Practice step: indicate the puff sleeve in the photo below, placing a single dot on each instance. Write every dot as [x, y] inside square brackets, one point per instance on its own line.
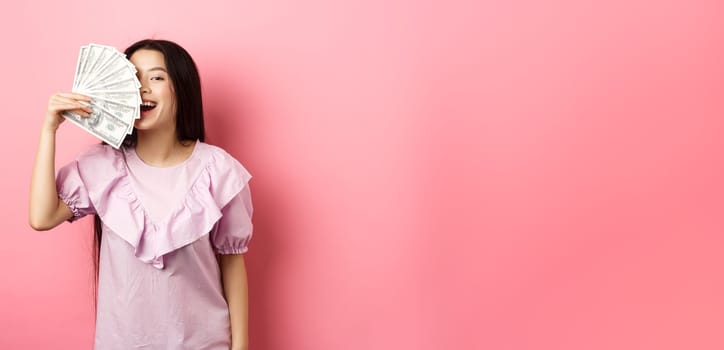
[232, 232]
[72, 190]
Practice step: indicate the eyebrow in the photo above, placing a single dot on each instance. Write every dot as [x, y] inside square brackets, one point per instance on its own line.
[157, 68]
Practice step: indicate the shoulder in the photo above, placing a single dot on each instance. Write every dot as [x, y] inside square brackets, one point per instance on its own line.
[226, 176]
[101, 160]
[99, 152]
[216, 153]
[221, 162]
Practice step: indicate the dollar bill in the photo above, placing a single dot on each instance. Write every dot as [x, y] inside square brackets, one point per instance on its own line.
[119, 111]
[126, 98]
[79, 66]
[90, 59]
[127, 84]
[105, 74]
[110, 72]
[115, 72]
[105, 54]
[106, 127]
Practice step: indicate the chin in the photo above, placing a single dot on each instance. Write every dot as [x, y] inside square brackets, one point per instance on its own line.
[145, 125]
[152, 122]
[141, 125]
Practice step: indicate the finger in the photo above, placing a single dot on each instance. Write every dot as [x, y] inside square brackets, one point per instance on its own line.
[79, 112]
[74, 96]
[70, 107]
[62, 99]
[82, 113]
[57, 101]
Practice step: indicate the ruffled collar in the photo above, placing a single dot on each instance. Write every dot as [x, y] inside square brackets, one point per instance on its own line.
[219, 179]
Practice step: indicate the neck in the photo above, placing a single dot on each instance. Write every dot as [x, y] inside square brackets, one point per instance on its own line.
[161, 147]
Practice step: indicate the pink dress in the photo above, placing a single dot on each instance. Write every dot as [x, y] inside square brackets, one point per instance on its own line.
[159, 281]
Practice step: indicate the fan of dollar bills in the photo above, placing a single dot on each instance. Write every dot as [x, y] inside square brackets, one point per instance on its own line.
[109, 79]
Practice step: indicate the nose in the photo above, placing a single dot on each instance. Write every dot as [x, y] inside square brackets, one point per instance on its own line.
[145, 90]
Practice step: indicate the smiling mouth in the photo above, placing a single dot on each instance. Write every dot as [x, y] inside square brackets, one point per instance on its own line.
[147, 106]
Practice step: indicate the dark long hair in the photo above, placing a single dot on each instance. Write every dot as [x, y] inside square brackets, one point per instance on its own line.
[186, 84]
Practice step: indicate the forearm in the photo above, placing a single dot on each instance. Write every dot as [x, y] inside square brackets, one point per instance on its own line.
[44, 200]
[234, 278]
[46, 209]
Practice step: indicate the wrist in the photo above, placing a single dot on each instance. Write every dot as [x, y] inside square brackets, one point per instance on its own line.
[52, 122]
[49, 126]
[49, 129]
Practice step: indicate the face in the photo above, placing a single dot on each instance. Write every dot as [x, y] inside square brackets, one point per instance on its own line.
[158, 110]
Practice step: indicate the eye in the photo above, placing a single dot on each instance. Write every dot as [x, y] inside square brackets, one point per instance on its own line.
[157, 78]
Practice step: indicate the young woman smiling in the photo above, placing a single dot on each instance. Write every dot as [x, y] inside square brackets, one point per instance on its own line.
[172, 214]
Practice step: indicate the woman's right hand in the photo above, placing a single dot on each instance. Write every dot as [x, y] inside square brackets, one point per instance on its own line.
[64, 101]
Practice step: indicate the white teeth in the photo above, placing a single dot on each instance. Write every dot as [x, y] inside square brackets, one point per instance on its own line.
[148, 104]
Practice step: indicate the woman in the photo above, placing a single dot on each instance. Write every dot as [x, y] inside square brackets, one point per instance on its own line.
[173, 214]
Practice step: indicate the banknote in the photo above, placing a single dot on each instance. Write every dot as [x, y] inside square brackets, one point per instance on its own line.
[105, 55]
[113, 70]
[79, 65]
[116, 110]
[118, 84]
[105, 75]
[130, 99]
[104, 126]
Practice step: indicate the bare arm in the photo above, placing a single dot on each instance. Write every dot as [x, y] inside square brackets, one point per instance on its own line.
[233, 274]
[46, 209]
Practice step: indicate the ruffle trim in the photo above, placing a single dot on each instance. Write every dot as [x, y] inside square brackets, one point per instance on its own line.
[232, 251]
[71, 202]
[217, 183]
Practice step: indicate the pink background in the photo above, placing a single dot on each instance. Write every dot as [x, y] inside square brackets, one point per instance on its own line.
[428, 174]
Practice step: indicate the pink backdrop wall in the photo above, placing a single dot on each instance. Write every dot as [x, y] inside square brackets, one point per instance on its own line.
[428, 174]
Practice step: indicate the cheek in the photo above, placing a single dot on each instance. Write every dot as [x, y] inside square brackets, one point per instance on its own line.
[170, 95]
[170, 98]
